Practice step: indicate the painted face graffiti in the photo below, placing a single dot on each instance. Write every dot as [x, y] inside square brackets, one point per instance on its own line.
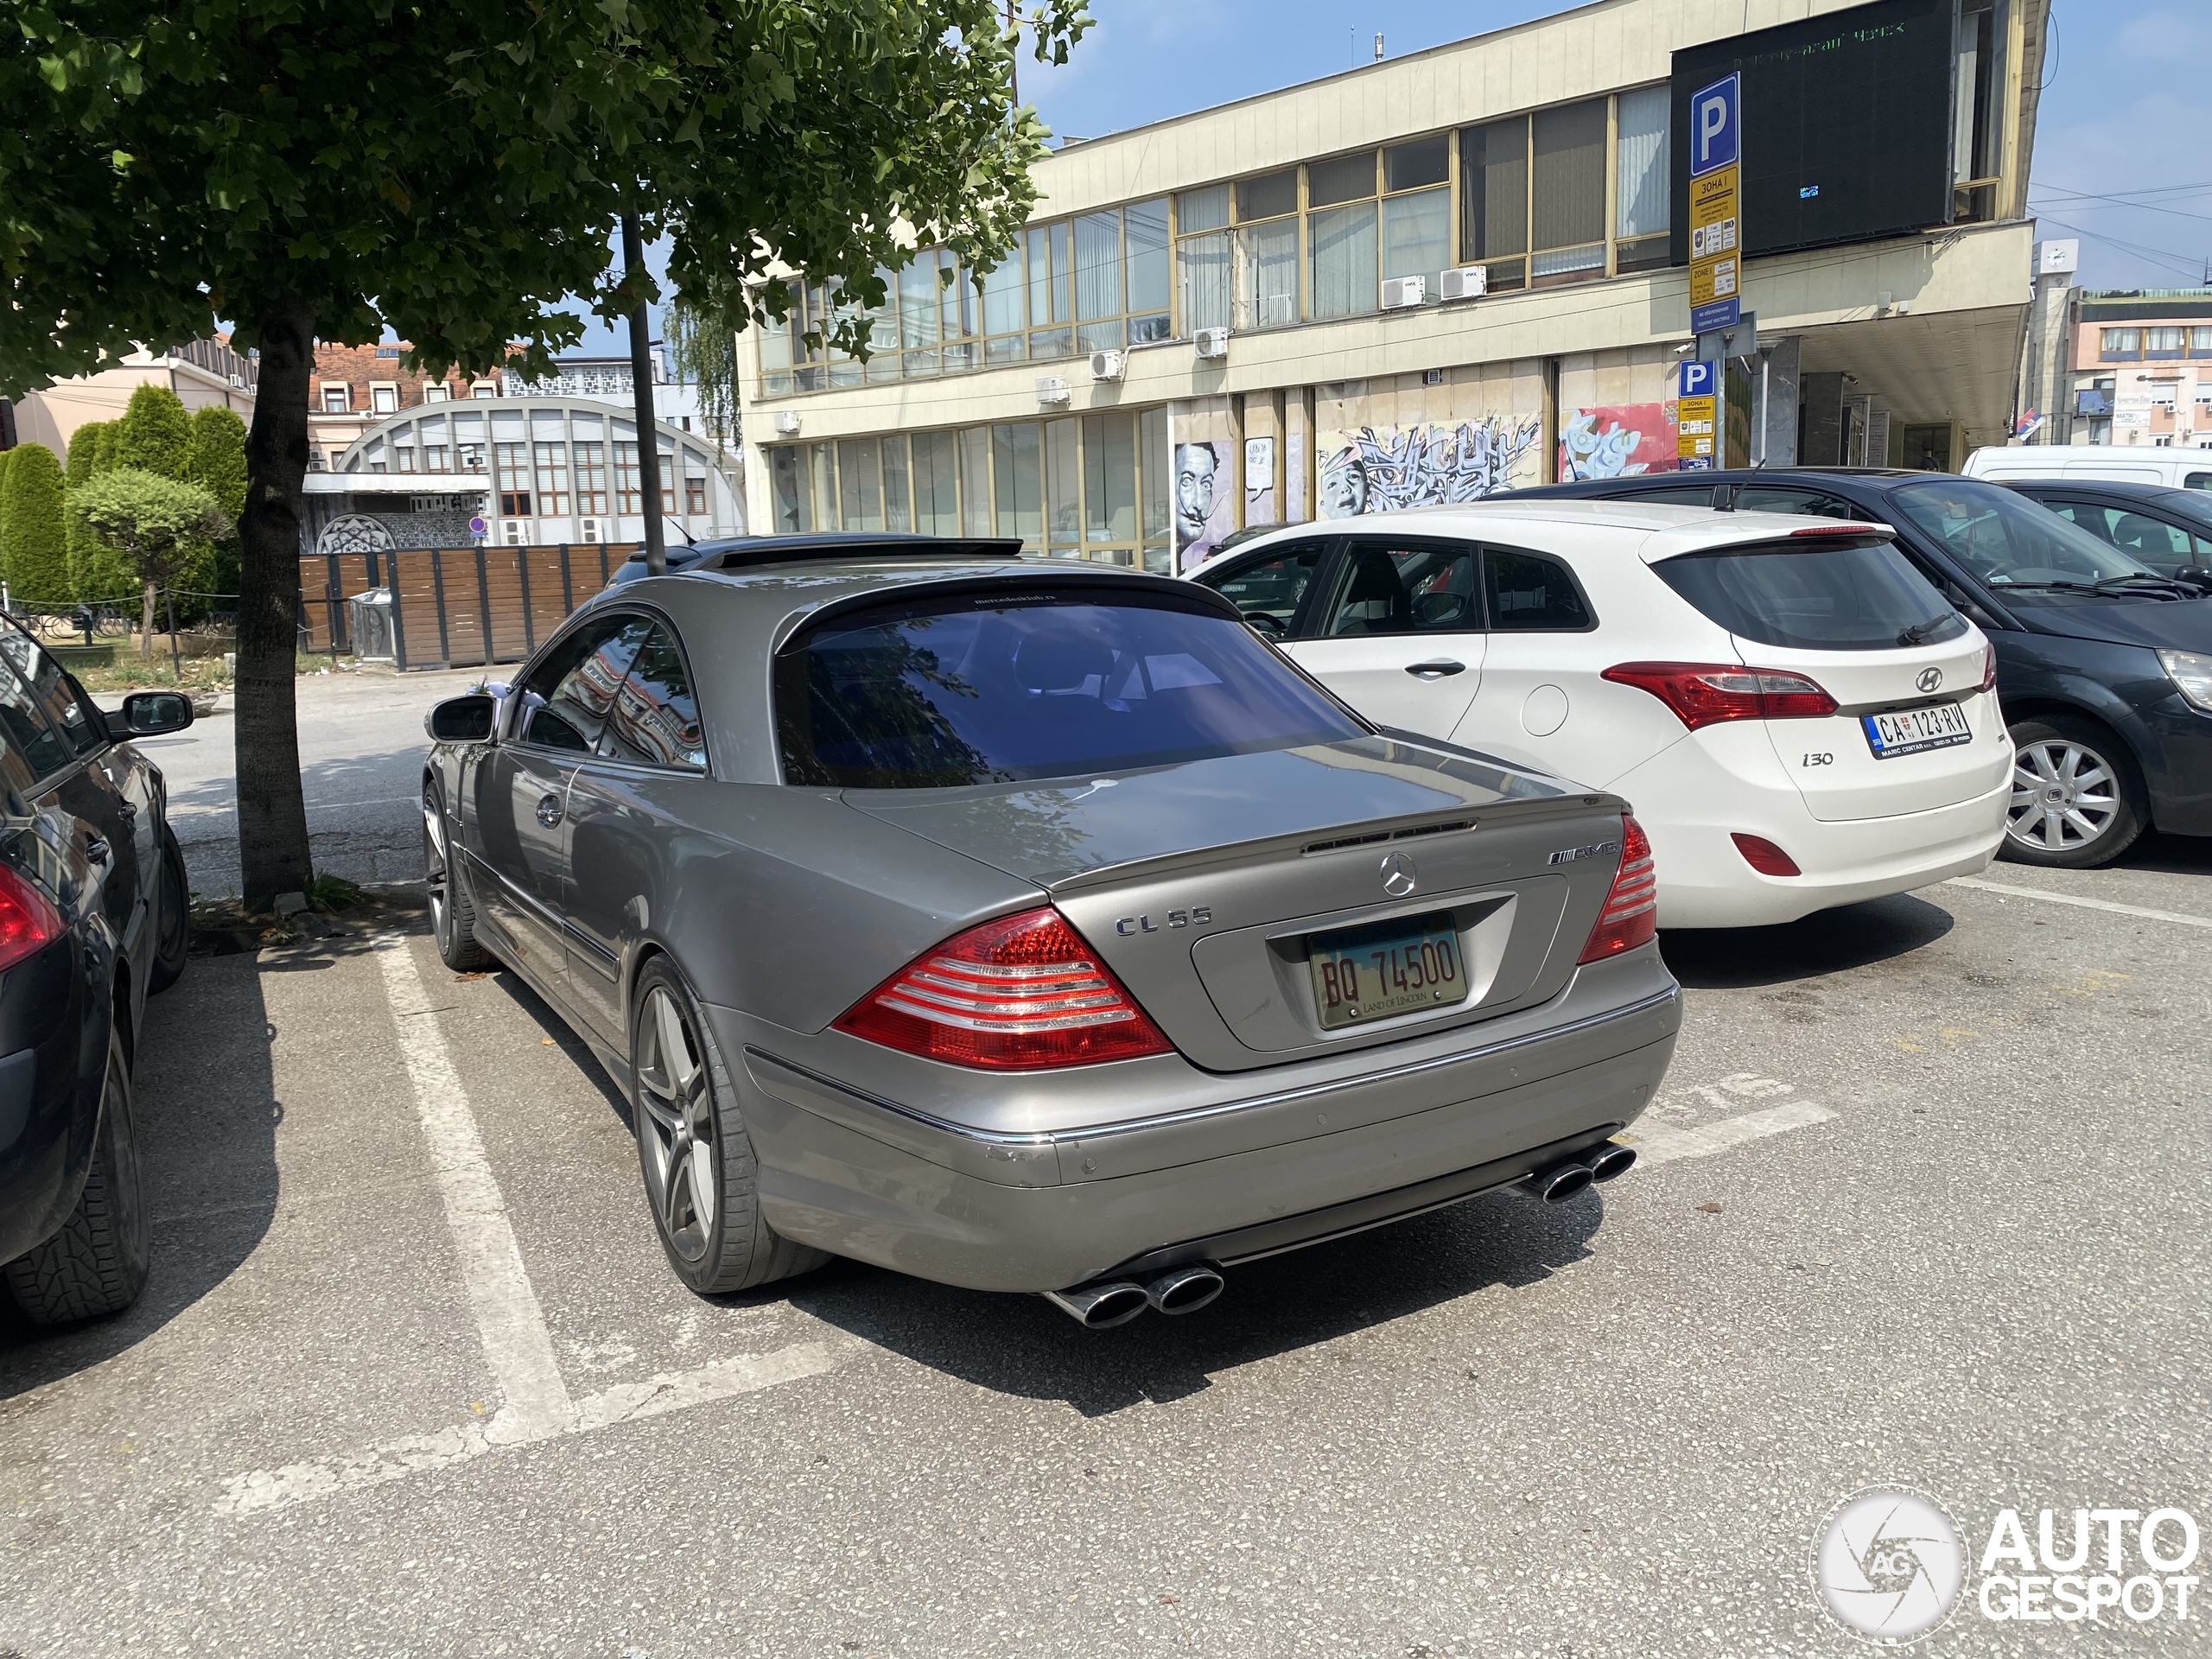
[1195, 467]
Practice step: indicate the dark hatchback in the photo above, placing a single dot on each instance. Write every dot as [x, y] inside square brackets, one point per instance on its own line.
[93, 919]
[2104, 662]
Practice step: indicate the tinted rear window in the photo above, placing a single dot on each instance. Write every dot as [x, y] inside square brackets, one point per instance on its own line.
[1816, 596]
[973, 690]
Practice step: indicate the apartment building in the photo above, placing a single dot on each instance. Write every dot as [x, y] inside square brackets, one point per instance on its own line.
[2141, 367]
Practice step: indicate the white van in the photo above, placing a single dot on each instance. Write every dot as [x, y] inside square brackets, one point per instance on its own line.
[2177, 469]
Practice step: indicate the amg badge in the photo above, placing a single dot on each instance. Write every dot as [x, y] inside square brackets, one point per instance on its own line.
[1596, 849]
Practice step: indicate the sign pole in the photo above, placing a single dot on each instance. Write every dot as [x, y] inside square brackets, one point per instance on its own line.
[1717, 316]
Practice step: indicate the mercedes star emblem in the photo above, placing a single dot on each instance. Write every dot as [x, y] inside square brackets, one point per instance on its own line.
[1398, 875]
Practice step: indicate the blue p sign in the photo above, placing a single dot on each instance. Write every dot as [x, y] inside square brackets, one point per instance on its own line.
[1700, 379]
[1714, 132]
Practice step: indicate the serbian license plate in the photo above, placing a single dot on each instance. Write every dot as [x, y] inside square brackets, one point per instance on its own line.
[1914, 731]
[1366, 974]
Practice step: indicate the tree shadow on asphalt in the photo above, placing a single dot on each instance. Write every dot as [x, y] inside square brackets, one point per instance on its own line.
[1826, 942]
[1023, 1345]
[204, 1101]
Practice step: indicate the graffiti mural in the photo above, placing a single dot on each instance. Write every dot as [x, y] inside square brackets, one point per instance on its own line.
[1616, 440]
[1425, 465]
[1205, 507]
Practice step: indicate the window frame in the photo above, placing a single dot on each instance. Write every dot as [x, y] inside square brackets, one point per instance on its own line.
[1326, 548]
[1331, 577]
[1573, 581]
[662, 768]
[515, 714]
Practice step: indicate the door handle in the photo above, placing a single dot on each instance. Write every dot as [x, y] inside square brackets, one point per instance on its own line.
[549, 810]
[1437, 669]
[95, 848]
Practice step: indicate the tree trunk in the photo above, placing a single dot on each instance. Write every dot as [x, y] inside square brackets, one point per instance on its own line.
[273, 855]
[146, 622]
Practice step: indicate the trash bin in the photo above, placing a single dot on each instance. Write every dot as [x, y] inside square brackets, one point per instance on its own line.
[368, 620]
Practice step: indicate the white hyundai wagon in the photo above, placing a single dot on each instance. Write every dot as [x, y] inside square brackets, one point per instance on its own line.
[1800, 718]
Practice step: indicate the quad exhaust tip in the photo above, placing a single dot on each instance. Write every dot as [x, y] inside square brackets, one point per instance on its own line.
[1607, 1162]
[1610, 1161]
[1102, 1307]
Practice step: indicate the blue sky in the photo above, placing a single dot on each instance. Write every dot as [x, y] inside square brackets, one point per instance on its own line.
[2120, 153]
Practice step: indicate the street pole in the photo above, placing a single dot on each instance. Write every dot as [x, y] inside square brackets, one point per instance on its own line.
[641, 380]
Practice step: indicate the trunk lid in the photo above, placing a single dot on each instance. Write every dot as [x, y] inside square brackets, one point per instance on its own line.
[1203, 884]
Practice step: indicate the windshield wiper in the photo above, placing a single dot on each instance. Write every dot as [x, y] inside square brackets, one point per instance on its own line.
[2168, 584]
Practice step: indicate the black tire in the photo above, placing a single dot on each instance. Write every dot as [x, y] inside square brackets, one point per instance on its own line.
[97, 1264]
[702, 1178]
[173, 931]
[2078, 800]
[453, 916]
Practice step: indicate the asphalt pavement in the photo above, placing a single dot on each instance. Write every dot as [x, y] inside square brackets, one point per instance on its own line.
[1924, 1203]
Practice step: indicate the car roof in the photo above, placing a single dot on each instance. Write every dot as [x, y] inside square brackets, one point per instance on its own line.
[2125, 489]
[1666, 529]
[737, 552]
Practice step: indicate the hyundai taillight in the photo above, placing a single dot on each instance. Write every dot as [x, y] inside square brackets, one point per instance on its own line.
[1019, 993]
[1706, 694]
[1988, 666]
[29, 922]
[1631, 912]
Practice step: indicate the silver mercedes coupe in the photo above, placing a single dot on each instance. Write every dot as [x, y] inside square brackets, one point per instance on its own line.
[1034, 926]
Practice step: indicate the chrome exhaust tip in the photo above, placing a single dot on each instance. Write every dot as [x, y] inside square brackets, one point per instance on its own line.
[1100, 1307]
[1559, 1183]
[1185, 1289]
[1610, 1161]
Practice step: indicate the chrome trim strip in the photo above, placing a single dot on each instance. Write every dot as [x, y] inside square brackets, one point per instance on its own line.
[1197, 1114]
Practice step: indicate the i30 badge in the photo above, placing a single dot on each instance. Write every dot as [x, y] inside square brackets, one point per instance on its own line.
[1399, 878]
[1929, 678]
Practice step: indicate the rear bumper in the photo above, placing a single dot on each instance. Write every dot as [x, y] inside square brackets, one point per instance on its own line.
[1705, 882]
[1295, 1157]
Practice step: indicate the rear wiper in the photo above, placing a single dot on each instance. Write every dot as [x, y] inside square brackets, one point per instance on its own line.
[1919, 632]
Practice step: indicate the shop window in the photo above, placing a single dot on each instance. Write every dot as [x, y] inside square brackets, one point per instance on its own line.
[1018, 482]
[791, 500]
[860, 483]
[1153, 494]
[1641, 189]
[1063, 487]
[1494, 200]
[1568, 187]
[1109, 479]
[936, 484]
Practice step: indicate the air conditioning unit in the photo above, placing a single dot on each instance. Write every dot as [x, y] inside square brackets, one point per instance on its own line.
[590, 529]
[1469, 282]
[1108, 366]
[787, 420]
[1212, 342]
[1403, 293]
[1051, 389]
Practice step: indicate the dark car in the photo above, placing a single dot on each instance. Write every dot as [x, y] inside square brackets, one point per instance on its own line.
[93, 919]
[2169, 530]
[2104, 663]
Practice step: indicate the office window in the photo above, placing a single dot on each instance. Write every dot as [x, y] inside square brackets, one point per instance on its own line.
[403, 458]
[1270, 196]
[1004, 317]
[935, 484]
[2120, 343]
[1567, 190]
[2163, 343]
[629, 494]
[694, 495]
[1641, 189]
[1494, 200]
[2200, 342]
[1098, 283]
[1417, 236]
[436, 458]
[775, 357]
[433, 392]
[1266, 274]
[472, 457]
[1202, 262]
[1144, 237]
[1413, 166]
[919, 316]
[1018, 481]
[514, 480]
[591, 479]
[552, 465]
[336, 399]
[383, 400]
[667, 478]
[1051, 283]
[1340, 280]
[1347, 178]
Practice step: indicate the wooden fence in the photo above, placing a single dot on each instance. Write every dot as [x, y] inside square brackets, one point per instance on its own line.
[457, 608]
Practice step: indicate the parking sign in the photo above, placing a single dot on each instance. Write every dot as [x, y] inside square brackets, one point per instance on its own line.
[1697, 416]
[1716, 143]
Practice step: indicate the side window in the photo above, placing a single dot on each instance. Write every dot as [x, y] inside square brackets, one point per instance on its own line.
[1386, 587]
[33, 748]
[71, 714]
[655, 721]
[1961, 600]
[566, 700]
[2197, 481]
[1269, 589]
[1775, 498]
[1529, 593]
[2096, 520]
[1670, 495]
[2150, 540]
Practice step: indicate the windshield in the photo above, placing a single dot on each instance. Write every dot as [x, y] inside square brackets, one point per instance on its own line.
[2010, 541]
[1815, 595]
[973, 689]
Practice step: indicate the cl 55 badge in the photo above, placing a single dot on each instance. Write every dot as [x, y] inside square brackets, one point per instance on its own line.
[1199, 914]
[1596, 849]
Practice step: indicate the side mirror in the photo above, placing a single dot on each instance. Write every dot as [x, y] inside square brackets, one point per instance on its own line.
[461, 719]
[150, 713]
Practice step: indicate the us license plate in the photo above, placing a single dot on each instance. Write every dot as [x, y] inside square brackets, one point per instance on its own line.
[1366, 974]
[1914, 731]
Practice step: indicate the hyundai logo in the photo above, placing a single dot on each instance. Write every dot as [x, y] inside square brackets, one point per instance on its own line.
[1398, 876]
[1929, 678]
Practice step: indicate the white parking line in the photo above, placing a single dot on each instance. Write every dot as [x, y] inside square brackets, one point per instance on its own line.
[509, 1322]
[2086, 903]
[1662, 1143]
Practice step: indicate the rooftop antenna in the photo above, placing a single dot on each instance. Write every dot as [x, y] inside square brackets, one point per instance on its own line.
[1378, 48]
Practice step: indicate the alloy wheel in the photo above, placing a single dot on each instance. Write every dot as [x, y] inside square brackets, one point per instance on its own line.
[435, 859]
[678, 1128]
[2065, 796]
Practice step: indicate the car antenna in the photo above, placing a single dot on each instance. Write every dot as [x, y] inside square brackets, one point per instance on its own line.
[1724, 497]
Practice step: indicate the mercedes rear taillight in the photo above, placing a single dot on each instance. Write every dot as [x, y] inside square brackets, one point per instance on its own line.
[28, 921]
[1631, 913]
[1021, 994]
[1706, 694]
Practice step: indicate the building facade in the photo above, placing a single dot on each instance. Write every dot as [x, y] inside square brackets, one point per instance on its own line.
[1424, 280]
[202, 372]
[2141, 367]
